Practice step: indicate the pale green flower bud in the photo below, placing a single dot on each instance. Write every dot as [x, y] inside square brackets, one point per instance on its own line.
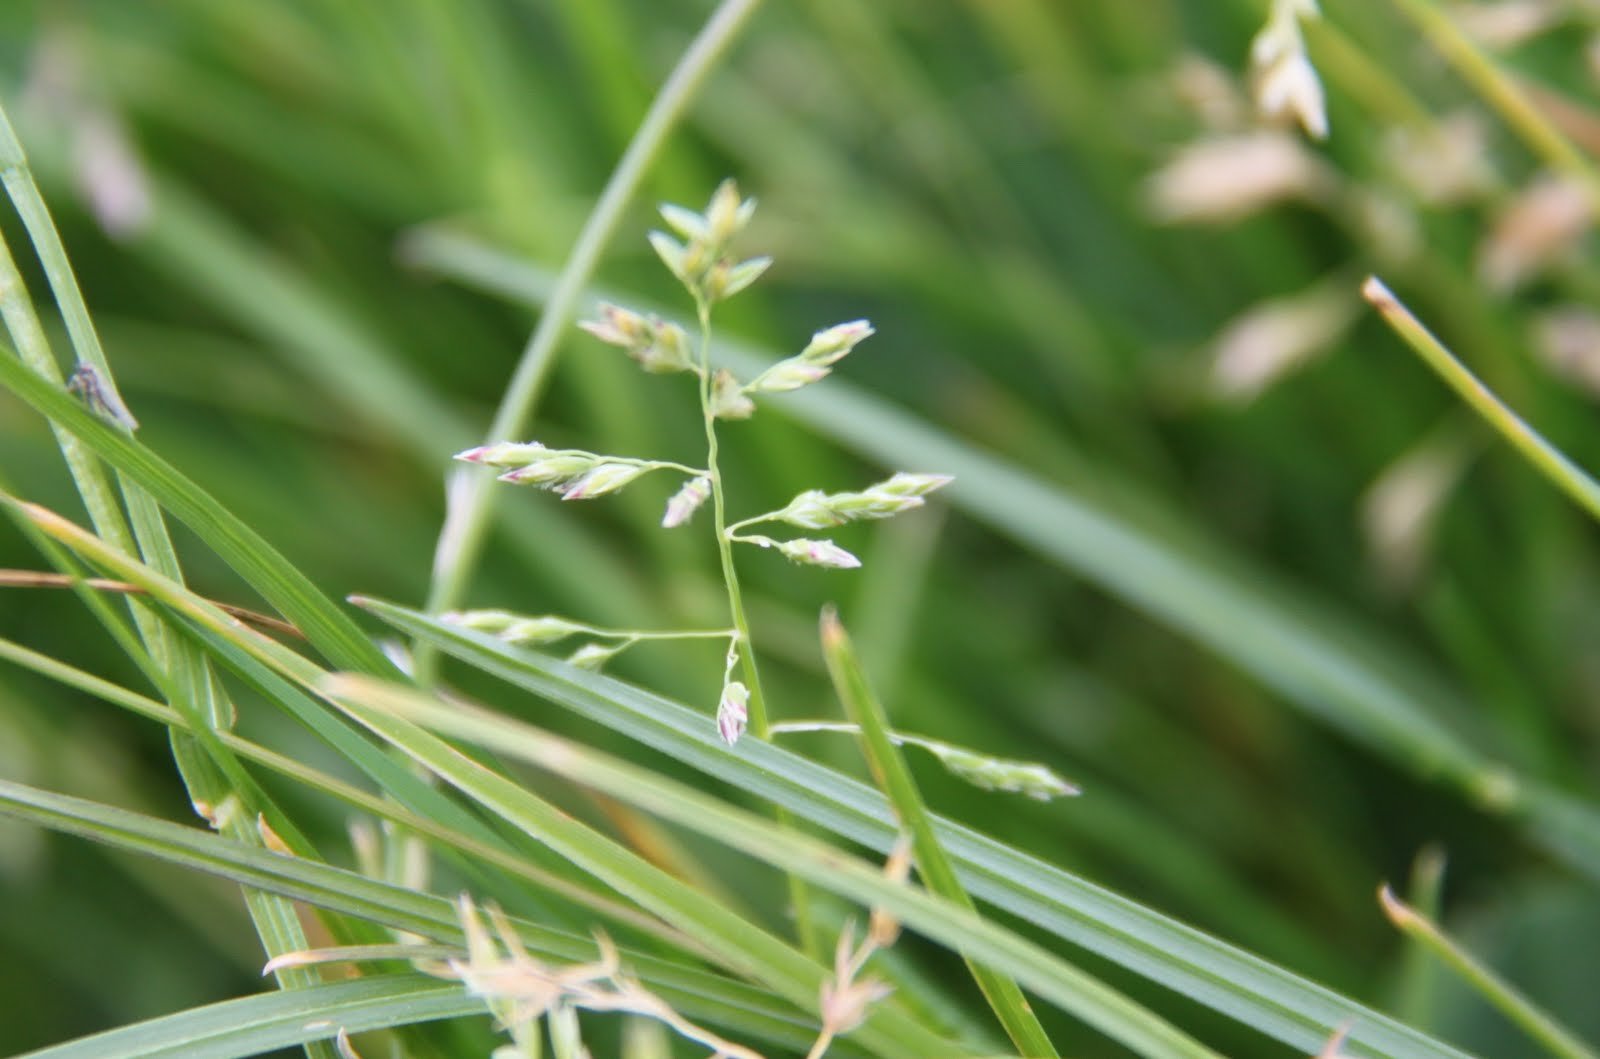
[788, 375]
[904, 484]
[818, 553]
[593, 655]
[728, 400]
[733, 712]
[727, 280]
[687, 223]
[518, 629]
[606, 478]
[685, 502]
[832, 345]
[552, 468]
[999, 774]
[726, 215]
[811, 510]
[672, 254]
[504, 454]
[815, 509]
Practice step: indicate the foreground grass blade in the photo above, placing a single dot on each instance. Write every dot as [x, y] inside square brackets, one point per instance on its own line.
[1536, 1023]
[1545, 457]
[207, 769]
[257, 1024]
[268, 572]
[475, 852]
[712, 997]
[250, 654]
[740, 945]
[960, 929]
[1226, 979]
[933, 865]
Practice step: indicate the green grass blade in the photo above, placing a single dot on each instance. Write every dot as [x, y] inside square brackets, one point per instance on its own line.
[475, 852]
[709, 996]
[740, 945]
[325, 626]
[958, 928]
[1255, 992]
[257, 1024]
[933, 865]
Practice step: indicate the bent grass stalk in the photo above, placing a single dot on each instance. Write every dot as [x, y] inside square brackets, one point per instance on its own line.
[1545, 457]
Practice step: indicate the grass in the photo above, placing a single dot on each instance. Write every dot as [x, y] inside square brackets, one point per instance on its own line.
[1279, 660]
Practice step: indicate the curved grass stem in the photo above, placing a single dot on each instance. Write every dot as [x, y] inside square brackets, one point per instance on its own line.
[1545, 457]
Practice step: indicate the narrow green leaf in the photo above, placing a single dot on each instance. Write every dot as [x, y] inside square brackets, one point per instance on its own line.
[740, 945]
[933, 865]
[257, 1024]
[267, 571]
[958, 928]
[711, 997]
[1269, 998]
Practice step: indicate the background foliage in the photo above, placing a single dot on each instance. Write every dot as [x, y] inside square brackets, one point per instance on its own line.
[352, 204]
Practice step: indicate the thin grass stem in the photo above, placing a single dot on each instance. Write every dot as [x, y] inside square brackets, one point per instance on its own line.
[1545, 457]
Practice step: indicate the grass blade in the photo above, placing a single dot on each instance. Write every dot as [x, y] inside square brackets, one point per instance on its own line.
[933, 865]
[1272, 1000]
[257, 1024]
[325, 626]
[740, 945]
[960, 929]
[712, 997]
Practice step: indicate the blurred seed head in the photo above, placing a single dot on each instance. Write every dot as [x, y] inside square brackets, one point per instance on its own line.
[1505, 24]
[1443, 164]
[1387, 223]
[1401, 507]
[1566, 340]
[1220, 180]
[1538, 229]
[1277, 336]
[1210, 92]
[105, 165]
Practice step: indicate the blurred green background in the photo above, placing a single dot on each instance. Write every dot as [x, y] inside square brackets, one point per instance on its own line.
[278, 210]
